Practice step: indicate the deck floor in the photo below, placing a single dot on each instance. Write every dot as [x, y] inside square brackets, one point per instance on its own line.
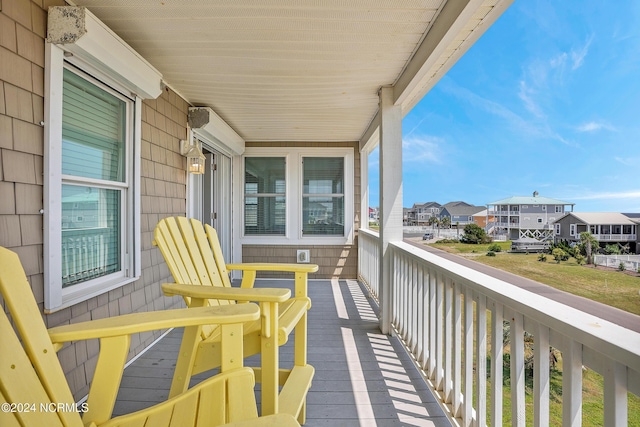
[363, 378]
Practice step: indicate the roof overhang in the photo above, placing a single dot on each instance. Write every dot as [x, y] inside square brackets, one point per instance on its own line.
[281, 70]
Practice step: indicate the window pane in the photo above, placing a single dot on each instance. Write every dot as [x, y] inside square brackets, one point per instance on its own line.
[91, 227]
[323, 175]
[265, 203]
[93, 130]
[323, 215]
[323, 198]
[264, 175]
[264, 215]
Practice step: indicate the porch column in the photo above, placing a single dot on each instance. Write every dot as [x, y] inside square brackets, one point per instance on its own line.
[390, 197]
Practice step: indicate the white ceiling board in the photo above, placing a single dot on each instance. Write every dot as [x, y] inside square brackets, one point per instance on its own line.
[291, 70]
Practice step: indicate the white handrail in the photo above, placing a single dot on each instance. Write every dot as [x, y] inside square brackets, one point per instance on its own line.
[440, 309]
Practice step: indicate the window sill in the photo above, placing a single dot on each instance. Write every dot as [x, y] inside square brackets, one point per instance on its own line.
[73, 297]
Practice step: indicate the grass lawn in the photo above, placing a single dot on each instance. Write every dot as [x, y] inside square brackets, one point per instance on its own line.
[613, 288]
[592, 400]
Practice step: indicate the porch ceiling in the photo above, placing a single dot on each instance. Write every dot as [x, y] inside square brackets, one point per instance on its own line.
[291, 70]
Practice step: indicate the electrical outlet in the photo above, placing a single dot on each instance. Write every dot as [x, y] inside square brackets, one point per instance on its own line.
[302, 255]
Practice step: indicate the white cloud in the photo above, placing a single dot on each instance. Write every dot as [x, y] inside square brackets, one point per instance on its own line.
[526, 94]
[578, 55]
[422, 149]
[558, 61]
[524, 126]
[610, 195]
[628, 161]
[594, 126]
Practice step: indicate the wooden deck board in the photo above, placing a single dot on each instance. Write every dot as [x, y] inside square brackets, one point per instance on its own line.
[363, 378]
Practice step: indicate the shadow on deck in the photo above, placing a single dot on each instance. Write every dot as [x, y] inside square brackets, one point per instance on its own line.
[363, 378]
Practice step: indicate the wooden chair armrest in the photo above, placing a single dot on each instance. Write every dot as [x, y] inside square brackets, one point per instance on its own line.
[263, 266]
[149, 321]
[237, 294]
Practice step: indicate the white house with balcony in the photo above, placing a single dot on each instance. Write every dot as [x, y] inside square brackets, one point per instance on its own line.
[526, 216]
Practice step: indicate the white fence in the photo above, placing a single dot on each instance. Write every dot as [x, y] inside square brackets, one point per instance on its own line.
[630, 262]
[449, 315]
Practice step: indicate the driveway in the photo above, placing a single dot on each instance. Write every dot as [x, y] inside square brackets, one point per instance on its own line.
[612, 314]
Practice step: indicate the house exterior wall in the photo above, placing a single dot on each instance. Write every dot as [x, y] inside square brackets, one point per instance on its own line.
[334, 261]
[163, 185]
[530, 214]
[481, 220]
[564, 228]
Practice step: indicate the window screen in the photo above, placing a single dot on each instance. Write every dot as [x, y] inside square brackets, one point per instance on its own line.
[90, 233]
[323, 196]
[93, 130]
[94, 138]
[264, 196]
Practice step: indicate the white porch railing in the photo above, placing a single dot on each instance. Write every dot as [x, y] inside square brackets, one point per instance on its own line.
[369, 259]
[448, 315]
[630, 262]
[615, 237]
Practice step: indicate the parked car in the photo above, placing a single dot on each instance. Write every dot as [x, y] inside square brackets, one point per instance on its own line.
[427, 236]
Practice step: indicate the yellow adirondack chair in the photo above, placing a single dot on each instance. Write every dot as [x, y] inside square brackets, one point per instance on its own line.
[194, 257]
[34, 391]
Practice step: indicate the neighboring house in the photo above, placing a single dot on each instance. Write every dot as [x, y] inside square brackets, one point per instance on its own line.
[521, 216]
[483, 219]
[406, 212]
[420, 213]
[460, 213]
[374, 214]
[606, 228]
[636, 218]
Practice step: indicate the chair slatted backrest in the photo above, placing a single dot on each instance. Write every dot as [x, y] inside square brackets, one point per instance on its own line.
[214, 243]
[185, 248]
[30, 370]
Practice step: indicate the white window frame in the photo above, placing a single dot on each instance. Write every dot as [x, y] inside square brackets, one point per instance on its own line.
[287, 195]
[105, 57]
[293, 196]
[572, 230]
[558, 229]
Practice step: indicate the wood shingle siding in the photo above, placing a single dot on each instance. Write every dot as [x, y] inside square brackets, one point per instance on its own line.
[163, 186]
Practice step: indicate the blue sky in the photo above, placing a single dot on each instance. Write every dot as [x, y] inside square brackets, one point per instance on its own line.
[547, 100]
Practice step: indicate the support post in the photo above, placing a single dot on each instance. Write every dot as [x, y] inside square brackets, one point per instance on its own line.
[390, 196]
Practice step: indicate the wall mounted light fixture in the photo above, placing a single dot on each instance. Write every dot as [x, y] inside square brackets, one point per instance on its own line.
[195, 158]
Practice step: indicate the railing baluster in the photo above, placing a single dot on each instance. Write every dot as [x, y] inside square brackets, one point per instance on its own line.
[516, 344]
[413, 318]
[467, 412]
[541, 376]
[439, 330]
[457, 350]
[481, 361]
[496, 364]
[615, 394]
[448, 340]
[424, 360]
[432, 324]
[406, 309]
[572, 384]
